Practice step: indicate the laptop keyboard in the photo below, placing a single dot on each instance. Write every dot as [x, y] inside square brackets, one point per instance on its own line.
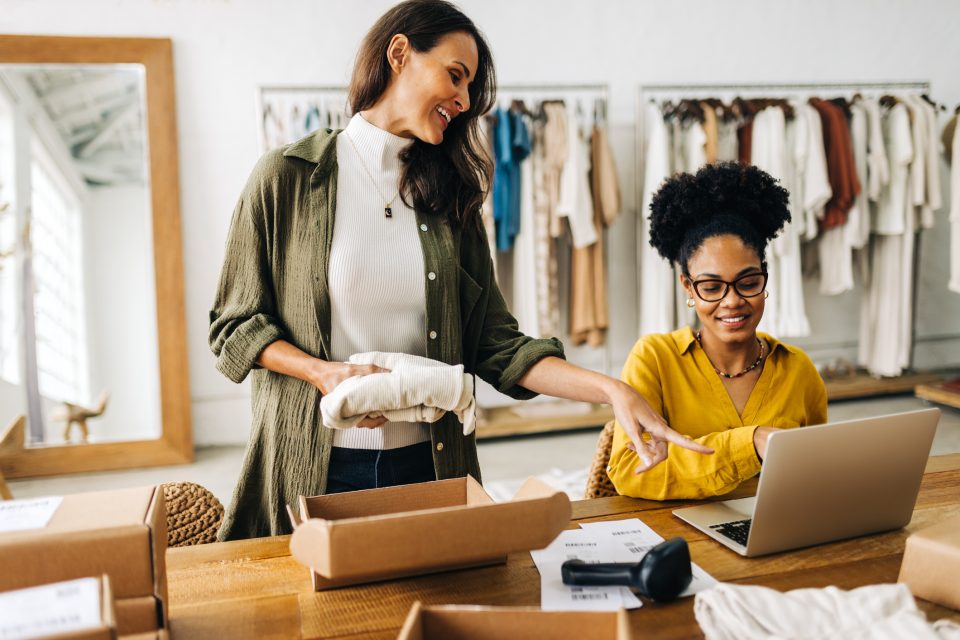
[737, 531]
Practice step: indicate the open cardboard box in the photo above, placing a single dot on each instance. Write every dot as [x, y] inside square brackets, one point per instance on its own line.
[380, 534]
[509, 623]
[931, 563]
[44, 611]
[121, 533]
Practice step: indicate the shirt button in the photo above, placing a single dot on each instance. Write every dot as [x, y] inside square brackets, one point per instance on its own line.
[439, 446]
[433, 335]
[423, 227]
[432, 276]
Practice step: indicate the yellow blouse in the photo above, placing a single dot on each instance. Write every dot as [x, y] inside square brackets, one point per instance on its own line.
[673, 374]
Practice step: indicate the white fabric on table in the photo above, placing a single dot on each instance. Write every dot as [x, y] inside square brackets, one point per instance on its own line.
[740, 612]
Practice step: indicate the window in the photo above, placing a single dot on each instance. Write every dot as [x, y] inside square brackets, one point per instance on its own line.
[9, 299]
[56, 241]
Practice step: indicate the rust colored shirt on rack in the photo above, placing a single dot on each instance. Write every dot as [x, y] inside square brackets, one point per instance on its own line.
[841, 167]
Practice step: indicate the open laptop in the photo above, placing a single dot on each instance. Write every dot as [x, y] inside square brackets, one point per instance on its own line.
[826, 483]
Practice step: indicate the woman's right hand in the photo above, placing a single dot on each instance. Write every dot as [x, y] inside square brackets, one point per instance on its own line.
[327, 376]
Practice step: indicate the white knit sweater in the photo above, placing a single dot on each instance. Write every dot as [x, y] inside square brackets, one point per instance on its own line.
[376, 273]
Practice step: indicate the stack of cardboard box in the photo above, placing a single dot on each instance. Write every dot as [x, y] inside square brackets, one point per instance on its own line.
[121, 534]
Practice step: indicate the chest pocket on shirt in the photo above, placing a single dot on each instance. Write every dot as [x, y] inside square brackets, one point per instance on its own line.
[470, 292]
[471, 325]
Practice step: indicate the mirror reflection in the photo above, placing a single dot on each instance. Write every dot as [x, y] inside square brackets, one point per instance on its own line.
[78, 322]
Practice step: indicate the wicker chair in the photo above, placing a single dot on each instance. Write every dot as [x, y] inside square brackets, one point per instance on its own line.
[193, 514]
[598, 483]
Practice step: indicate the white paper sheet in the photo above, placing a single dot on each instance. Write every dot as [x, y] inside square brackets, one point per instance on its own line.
[632, 538]
[64, 607]
[23, 515]
[555, 596]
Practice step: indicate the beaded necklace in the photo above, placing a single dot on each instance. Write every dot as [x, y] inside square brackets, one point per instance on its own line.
[734, 375]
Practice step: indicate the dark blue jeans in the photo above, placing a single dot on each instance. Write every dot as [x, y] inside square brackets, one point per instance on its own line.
[356, 469]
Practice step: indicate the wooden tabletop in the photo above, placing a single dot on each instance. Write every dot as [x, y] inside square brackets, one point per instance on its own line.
[254, 589]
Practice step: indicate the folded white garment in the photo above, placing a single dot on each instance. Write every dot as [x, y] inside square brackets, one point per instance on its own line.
[735, 612]
[415, 390]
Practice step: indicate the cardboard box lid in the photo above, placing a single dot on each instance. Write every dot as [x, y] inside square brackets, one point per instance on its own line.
[931, 563]
[64, 604]
[122, 533]
[432, 524]
[509, 623]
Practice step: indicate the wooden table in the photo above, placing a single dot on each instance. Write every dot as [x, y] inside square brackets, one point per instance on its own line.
[254, 589]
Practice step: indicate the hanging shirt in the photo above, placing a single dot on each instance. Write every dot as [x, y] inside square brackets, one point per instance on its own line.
[575, 202]
[511, 144]
[892, 205]
[878, 166]
[811, 156]
[840, 165]
[657, 281]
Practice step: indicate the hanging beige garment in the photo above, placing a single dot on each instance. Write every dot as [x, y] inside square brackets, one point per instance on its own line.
[710, 129]
[589, 312]
[548, 165]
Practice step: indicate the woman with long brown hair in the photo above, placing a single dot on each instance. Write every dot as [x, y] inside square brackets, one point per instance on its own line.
[368, 239]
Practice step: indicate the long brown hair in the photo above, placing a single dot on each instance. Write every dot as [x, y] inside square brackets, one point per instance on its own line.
[450, 178]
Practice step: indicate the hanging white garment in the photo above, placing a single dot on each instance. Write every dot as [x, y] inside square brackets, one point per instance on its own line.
[891, 255]
[768, 152]
[858, 223]
[954, 283]
[525, 308]
[892, 204]
[816, 182]
[694, 146]
[657, 280]
[878, 166]
[575, 201]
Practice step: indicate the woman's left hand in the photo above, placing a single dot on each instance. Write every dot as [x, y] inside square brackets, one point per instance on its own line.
[637, 418]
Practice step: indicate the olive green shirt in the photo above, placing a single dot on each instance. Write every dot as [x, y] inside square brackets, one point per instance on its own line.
[273, 286]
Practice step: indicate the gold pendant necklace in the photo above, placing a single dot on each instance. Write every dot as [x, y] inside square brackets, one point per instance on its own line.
[387, 204]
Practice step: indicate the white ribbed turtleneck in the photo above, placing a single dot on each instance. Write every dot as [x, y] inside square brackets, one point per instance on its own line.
[376, 273]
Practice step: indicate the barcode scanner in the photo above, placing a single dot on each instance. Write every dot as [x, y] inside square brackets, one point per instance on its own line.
[662, 574]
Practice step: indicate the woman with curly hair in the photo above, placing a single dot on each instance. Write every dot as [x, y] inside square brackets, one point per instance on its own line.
[725, 385]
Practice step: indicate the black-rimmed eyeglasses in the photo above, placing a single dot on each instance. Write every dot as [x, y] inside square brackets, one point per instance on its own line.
[746, 286]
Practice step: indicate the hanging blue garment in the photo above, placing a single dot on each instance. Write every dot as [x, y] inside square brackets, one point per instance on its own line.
[502, 154]
[511, 145]
[520, 150]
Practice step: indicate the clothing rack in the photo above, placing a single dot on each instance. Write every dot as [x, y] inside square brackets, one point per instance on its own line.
[658, 92]
[334, 96]
[570, 94]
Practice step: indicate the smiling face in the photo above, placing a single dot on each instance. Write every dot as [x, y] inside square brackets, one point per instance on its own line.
[733, 319]
[429, 89]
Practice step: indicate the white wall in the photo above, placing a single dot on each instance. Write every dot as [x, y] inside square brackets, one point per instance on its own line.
[224, 49]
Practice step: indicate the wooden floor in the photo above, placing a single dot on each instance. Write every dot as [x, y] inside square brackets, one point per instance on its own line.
[563, 415]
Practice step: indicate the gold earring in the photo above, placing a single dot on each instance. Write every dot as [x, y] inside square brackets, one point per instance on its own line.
[691, 303]
[766, 294]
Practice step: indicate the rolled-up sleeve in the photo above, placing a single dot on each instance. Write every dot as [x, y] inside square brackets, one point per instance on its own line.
[243, 320]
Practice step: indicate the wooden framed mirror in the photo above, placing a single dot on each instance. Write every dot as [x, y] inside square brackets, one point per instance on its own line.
[90, 258]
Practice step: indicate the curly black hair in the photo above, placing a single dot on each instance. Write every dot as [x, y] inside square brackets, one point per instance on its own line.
[722, 198]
